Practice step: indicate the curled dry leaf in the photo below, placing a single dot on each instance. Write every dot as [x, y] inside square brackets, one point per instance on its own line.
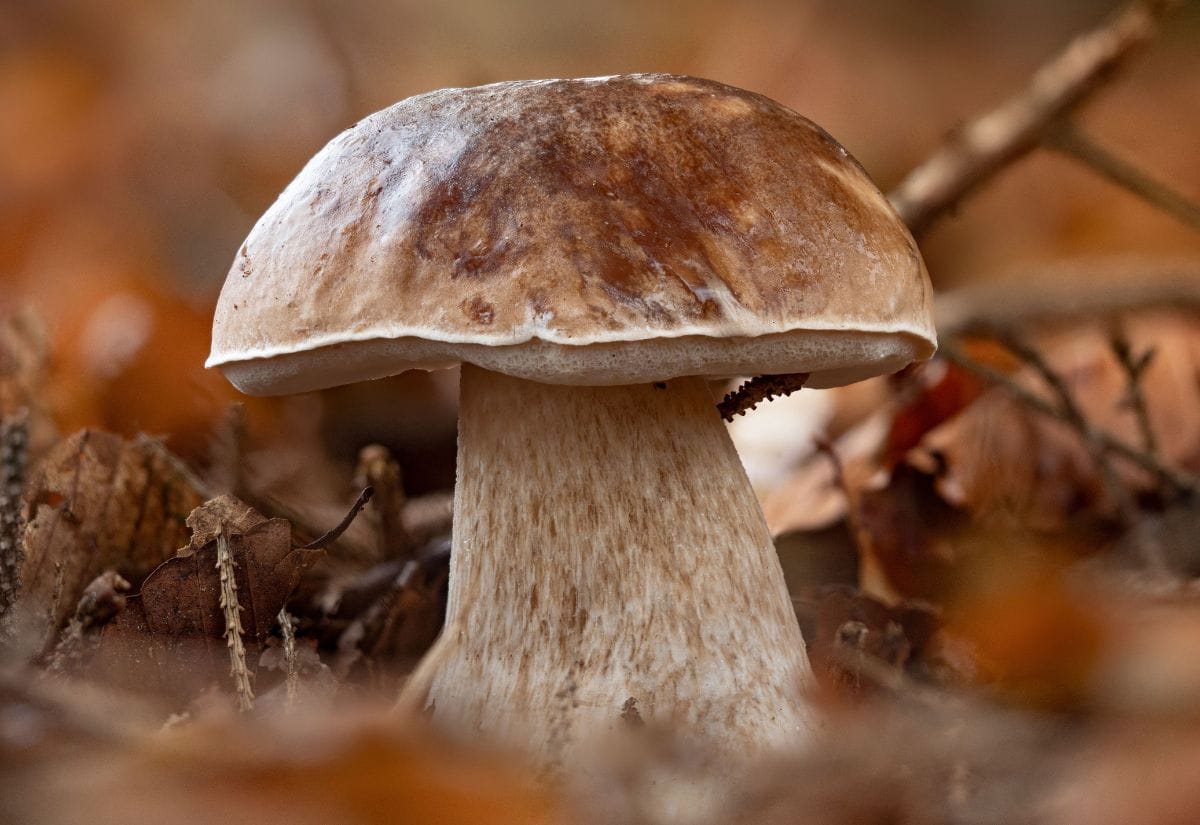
[100, 502]
[1001, 459]
[841, 624]
[172, 633]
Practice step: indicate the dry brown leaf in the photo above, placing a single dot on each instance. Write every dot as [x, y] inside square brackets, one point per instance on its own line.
[312, 770]
[841, 624]
[99, 502]
[170, 639]
[1000, 459]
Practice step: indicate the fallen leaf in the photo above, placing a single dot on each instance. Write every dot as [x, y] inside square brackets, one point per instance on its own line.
[100, 502]
[170, 638]
[352, 767]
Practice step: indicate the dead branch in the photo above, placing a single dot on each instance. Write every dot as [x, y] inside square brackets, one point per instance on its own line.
[1066, 138]
[1181, 482]
[1054, 293]
[981, 148]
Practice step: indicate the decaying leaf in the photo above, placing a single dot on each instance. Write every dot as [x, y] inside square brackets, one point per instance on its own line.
[100, 502]
[173, 632]
[843, 625]
[353, 767]
[1000, 459]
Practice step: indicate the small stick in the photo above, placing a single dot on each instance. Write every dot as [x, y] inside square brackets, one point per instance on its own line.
[1053, 293]
[1180, 481]
[292, 680]
[1135, 368]
[1073, 415]
[233, 624]
[763, 388]
[987, 144]
[1066, 139]
[332, 535]
[14, 439]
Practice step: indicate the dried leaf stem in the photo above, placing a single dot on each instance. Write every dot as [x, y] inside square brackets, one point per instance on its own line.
[14, 438]
[763, 388]
[1066, 138]
[331, 536]
[985, 145]
[1179, 481]
[233, 624]
[291, 667]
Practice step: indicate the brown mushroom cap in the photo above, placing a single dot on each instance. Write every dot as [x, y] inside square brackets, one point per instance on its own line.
[599, 231]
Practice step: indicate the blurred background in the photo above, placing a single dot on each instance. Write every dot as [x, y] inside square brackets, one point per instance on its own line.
[139, 142]
[963, 543]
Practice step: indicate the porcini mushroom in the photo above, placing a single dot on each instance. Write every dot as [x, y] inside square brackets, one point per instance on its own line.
[589, 250]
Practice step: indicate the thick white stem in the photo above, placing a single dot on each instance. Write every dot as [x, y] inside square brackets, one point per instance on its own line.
[607, 548]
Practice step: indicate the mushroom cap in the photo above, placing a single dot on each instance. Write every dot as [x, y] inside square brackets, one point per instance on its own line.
[614, 230]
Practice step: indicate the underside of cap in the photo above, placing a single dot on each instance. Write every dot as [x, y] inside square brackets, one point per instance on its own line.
[597, 231]
[831, 358]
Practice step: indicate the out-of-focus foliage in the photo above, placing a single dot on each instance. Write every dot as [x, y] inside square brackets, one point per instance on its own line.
[1002, 619]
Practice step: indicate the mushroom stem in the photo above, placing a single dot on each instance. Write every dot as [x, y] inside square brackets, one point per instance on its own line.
[608, 547]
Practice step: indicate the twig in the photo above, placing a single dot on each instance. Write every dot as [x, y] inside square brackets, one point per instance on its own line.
[1053, 293]
[233, 624]
[1134, 368]
[763, 388]
[1068, 140]
[982, 147]
[292, 680]
[1181, 482]
[14, 438]
[1073, 415]
[332, 535]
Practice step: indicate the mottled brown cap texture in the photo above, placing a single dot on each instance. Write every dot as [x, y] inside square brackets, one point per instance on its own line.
[599, 231]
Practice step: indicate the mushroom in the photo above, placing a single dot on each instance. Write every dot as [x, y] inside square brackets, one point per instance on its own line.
[589, 250]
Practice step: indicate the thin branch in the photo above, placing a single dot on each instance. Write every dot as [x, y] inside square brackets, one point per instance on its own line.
[1180, 481]
[763, 388]
[1073, 415]
[1068, 140]
[1053, 293]
[332, 535]
[233, 624]
[984, 146]
[1134, 368]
